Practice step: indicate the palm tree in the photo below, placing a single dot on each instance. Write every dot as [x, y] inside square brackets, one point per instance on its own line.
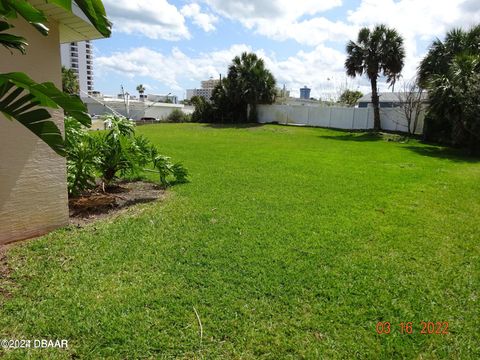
[450, 73]
[442, 53]
[70, 83]
[250, 84]
[141, 90]
[377, 52]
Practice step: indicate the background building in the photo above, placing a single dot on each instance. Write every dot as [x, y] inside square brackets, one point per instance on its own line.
[305, 93]
[173, 99]
[387, 99]
[78, 56]
[206, 91]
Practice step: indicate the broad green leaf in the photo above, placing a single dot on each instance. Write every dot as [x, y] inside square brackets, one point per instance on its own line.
[47, 95]
[95, 11]
[13, 42]
[13, 8]
[15, 106]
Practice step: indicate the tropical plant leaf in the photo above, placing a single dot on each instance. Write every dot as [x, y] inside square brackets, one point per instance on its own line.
[95, 12]
[21, 97]
[10, 41]
[10, 9]
[47, 95]
[14, 104]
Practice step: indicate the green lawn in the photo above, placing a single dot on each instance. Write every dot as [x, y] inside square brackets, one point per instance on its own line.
[289, 242]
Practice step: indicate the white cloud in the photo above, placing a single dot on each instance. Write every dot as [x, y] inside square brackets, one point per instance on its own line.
[156, 19]
[203, 20]
[417, 21]
[321, 68]
[249, 11]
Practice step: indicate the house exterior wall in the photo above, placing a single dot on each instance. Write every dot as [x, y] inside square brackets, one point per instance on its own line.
[33, 189]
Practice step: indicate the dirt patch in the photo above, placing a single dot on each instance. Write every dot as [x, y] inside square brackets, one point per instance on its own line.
[102, 203]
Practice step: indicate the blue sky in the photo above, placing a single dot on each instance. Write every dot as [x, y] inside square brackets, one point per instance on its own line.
[170, 46]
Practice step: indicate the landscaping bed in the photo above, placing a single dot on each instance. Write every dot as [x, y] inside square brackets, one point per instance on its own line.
[103, 202]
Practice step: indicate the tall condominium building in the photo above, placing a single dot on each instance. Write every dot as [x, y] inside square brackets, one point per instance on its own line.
[206, 91]
[78, 56]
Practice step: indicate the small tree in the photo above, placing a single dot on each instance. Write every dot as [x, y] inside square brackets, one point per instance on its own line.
[70, 83]
[411, 104]
[350, 97]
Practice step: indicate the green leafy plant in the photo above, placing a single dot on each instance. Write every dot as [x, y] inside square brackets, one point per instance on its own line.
[20, 96]
[166, 168]
[70, 83]
[82, 157]
[177, 116]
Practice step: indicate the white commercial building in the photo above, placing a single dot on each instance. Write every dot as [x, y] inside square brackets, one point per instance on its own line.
[206, 91]
[78, 56]
[132, 109]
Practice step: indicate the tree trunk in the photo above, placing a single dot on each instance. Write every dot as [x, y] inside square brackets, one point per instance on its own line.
[376, 105]
[252, 116]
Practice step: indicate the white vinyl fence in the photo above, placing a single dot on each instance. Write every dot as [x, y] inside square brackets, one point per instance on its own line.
[392, 119]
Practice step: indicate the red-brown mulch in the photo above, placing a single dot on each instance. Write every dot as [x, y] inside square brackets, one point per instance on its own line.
[99, 204]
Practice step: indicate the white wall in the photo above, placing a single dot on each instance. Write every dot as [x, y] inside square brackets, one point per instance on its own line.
[392, 119]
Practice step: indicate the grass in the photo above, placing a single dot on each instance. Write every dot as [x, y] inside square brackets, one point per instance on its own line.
[288, 242]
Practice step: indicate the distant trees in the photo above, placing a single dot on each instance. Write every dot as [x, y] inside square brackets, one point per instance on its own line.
[70, 83]
[377, 52]
[247, 84]
[451, 74]
[411, 99]
[141, 90]
[350, 97]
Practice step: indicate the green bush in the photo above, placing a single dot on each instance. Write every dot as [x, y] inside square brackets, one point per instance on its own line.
[116, 153]
[166, 169]
[82, 160]
[178, 116]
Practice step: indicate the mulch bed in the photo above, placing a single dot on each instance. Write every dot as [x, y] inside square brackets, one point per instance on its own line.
[101, 203]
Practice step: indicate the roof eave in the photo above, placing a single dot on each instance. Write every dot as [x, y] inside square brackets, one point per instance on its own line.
[73, 26]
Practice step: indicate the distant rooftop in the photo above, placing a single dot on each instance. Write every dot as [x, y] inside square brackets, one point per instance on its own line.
[391, 97]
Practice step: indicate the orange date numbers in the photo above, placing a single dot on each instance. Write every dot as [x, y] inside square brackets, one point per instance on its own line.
[423, 328]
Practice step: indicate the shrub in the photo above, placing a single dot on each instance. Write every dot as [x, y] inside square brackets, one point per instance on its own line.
[118, 152]
[166, 168]
[81, 157]
[177, 116]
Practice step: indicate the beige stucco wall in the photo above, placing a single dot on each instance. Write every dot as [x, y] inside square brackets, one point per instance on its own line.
[33, 191]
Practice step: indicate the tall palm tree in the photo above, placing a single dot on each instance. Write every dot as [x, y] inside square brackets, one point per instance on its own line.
[250, 83]
[377, 52]
[141, 90]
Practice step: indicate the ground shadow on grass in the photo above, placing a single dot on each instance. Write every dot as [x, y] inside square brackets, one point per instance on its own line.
[359, 137]
[234, 126]
[457, 155]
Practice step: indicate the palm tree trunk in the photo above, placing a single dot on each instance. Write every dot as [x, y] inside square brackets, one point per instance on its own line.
[252, 116]
[376, 105]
